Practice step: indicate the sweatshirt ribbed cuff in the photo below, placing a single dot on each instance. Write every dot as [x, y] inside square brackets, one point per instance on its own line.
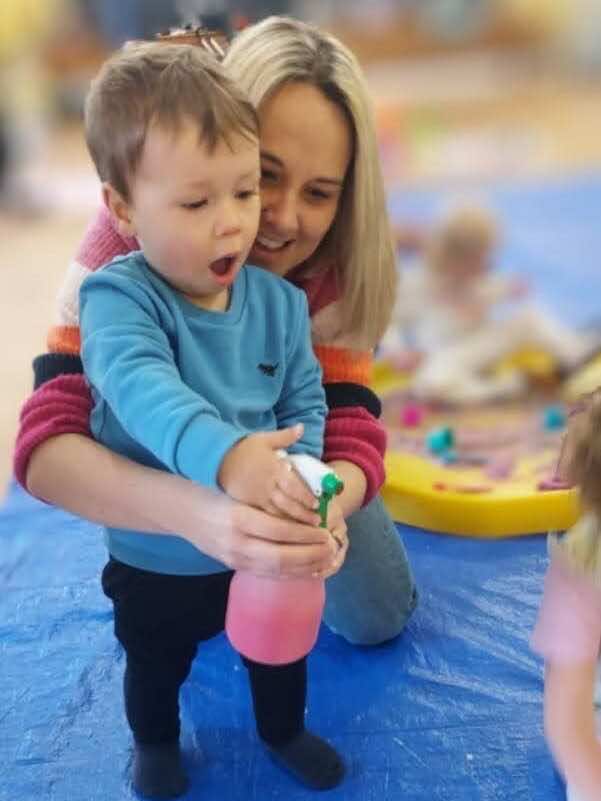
[51, 365]
[348, 394]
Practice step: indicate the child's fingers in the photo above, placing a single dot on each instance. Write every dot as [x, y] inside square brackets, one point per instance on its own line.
[291, 508]
[293, 486]
[283, 438]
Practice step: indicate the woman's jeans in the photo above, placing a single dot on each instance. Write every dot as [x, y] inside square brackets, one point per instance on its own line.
[372, 596]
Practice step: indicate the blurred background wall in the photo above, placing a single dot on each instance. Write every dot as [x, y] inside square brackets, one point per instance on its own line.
[466, 91]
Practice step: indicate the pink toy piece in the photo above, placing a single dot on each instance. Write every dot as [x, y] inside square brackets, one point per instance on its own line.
[500, 468]
[474, 489]
[471, 459]
[552, 483]
[483, 439]
[412, 415]
[273, 621]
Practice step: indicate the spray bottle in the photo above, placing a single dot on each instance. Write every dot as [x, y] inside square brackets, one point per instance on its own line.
[275, 621]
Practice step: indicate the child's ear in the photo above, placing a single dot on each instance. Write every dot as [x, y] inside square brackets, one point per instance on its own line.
[119, 208]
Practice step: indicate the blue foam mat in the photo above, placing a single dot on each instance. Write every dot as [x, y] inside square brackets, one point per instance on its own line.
[452, 710]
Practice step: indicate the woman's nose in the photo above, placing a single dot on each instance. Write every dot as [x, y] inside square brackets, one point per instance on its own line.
[279, 209]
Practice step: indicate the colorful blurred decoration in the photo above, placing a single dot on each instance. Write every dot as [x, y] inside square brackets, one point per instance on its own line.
[25, 26]
[580, 36]
[455, 20]
[25, 22]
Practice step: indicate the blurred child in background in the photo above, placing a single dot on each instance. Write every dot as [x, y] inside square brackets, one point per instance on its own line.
[568, 630]
[446, 326]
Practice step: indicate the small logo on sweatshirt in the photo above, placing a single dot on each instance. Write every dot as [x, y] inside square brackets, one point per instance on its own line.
[268, 369]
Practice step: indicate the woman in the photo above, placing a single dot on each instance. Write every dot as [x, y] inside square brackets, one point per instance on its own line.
[324, 226]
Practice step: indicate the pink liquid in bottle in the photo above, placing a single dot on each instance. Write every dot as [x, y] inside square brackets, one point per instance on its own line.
[273, 621]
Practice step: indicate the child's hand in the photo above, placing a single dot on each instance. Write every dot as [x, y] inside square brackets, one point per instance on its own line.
[252, 472]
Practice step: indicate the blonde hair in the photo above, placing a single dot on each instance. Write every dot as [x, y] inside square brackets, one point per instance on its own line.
[280, 50]
[148, 83]
[465, 232]
[581, 545]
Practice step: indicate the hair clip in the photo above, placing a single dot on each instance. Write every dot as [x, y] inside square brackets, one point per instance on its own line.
[214, 42]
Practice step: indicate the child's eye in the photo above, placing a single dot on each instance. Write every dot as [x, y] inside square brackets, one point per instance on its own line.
[245, 194]
[196, 204]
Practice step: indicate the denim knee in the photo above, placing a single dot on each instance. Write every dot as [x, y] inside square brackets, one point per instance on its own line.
[376, 629]
[371, 598]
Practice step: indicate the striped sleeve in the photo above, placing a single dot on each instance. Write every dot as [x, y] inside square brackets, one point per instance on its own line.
[353, 432]
[354, 435]
[101, 243]
[61, 406]
[61, 402]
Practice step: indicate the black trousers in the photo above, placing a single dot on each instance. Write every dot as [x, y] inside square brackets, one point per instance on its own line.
[159, 620]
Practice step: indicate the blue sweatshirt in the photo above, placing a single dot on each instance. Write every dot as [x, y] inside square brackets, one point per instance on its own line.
[176, 386]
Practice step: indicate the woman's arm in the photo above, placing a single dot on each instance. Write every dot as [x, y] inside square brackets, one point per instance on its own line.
[56, 460]
[355, 486]
[85, 478]
[355, 439]
[570, 725]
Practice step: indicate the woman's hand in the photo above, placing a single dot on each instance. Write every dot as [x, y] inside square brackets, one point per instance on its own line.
[355, 485]
[245, 538]
[87, 479]
[337, 529]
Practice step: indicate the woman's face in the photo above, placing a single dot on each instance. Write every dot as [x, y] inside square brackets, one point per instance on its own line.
[306, 147]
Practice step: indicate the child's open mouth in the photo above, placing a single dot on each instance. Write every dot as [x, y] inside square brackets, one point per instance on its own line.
[223, 269]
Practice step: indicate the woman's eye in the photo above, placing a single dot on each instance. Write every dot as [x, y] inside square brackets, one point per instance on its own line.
[196, 204]
[319, 194]
[268, 175]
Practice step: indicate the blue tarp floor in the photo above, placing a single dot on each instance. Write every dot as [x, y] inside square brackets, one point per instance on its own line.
[452, 710]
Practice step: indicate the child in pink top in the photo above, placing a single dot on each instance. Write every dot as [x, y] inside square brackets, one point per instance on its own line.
[568, 630]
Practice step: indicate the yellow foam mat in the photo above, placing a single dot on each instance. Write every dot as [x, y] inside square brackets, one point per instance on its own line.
[422, 492]
[512, 508]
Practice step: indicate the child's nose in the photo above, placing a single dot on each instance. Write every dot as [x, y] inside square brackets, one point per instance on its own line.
[228, 219]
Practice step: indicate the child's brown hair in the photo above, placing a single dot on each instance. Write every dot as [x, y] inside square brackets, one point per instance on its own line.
[148, 83]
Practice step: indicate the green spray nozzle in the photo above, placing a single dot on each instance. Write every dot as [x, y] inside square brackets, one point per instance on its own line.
[321, 479]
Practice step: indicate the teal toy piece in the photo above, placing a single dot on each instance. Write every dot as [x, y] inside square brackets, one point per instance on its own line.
[554, 418]
[439, 440]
